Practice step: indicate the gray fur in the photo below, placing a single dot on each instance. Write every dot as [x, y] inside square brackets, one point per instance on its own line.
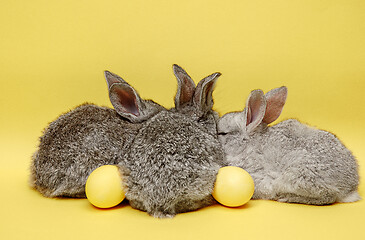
[168, 158]
[290, 161]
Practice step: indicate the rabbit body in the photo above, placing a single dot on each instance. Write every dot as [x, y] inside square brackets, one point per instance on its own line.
[171, 170]
[290, 161]
[168, 159]
[74, 145]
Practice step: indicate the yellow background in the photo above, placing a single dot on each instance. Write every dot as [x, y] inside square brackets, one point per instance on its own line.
[52, 57]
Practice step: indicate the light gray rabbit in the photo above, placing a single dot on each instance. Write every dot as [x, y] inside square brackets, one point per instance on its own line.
[289, 162]
[169, 158]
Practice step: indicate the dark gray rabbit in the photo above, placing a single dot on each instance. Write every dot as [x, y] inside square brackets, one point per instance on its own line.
[168, 158]
[290, 161]
[88, 137]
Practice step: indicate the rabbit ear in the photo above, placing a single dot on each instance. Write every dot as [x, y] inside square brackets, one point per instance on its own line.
[275, 100]
[255, 109]
[124, 98]
[186, 87]
[203, 98]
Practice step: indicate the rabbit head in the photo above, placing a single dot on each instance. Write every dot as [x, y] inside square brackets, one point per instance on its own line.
[236, 129]
[173, 160]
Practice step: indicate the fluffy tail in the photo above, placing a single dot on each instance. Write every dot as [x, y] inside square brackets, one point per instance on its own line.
[352, 197]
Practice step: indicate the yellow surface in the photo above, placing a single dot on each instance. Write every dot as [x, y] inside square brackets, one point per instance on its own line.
[104, 187]
[53, 54]
[233, 187]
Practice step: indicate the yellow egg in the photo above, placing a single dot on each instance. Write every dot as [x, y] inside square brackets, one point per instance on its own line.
[233, 187]
[104, 187]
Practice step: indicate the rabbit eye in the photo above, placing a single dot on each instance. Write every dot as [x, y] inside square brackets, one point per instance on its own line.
[222, 133]
[229, 133]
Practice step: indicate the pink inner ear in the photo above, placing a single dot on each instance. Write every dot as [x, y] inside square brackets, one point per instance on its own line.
[275, 100]
[255, 108]
[187, 90]
[273, 111]
[208, 93]
[249, 116]
[127, 100]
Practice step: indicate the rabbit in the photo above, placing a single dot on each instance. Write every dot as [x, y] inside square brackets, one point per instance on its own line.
[172, 164]
[289, 162]
[168, 158]
[85, 138]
